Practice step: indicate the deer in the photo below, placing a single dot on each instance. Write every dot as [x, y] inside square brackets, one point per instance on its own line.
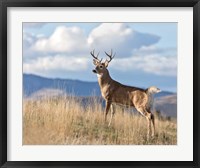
[114, 92]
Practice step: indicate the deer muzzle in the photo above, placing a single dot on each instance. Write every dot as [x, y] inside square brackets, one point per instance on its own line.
[94, 71]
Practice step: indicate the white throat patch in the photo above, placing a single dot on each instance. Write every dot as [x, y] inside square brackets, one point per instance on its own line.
[99, 75]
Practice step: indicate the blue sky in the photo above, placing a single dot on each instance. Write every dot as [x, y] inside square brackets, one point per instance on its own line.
[146, 53]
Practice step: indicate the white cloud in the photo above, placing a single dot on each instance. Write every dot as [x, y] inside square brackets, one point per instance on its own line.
[58, 62]
[152, 64]
[120, 37]
[152, 49]
[63, 39]
[62, 50]
[29, 39]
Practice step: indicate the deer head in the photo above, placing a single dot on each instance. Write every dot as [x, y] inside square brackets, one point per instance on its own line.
[101, 67]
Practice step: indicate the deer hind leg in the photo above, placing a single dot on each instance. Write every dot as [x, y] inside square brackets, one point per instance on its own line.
[148, 116]
[151, 119]
[112, 114]
[149, 124]
[108, 104]
[153, 122]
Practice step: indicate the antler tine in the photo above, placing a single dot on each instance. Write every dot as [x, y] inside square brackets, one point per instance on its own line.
[95, 57]
[111, 56]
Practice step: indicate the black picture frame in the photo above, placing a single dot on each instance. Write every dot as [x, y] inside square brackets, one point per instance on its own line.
[4, 4]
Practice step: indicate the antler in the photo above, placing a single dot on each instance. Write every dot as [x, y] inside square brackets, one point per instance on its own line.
[96, 59]
[111, 56]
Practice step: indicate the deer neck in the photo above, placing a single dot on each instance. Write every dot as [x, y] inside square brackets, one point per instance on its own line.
[104, 80]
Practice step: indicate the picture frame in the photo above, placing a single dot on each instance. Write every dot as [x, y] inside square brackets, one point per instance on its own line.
[100, 3]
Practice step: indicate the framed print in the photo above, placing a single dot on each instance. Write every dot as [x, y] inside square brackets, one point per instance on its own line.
[102, 83]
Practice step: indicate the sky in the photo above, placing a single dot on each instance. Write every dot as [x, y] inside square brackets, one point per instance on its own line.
[146, 53]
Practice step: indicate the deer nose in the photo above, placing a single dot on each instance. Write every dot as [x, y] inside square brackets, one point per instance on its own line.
[94, 71]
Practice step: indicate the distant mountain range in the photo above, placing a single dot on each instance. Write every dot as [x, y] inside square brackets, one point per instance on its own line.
[33, 83]
[167, 105]
[36, 86]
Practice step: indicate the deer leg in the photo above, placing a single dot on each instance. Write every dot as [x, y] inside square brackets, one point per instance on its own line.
[151, 118]
[147, 115]
[148, 126]
[153, 122]
[112, 114]
[108, 104]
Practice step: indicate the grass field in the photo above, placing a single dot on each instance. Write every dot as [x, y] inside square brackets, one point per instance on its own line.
[65, 121]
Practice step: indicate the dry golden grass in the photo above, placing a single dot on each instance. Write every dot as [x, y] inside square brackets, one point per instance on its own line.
[65, 121]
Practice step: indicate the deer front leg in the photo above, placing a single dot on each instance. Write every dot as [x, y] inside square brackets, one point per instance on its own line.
[108, 104]
[112, 114]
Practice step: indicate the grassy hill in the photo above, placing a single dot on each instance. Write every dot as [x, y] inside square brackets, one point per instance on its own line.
[65, 121]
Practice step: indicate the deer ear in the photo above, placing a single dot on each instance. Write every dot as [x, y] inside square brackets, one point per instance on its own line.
[95, 62]
[106, 64]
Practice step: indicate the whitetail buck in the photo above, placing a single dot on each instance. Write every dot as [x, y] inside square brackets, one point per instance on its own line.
[116, 93]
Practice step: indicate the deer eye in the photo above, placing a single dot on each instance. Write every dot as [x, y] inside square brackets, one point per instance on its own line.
[101, 66]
